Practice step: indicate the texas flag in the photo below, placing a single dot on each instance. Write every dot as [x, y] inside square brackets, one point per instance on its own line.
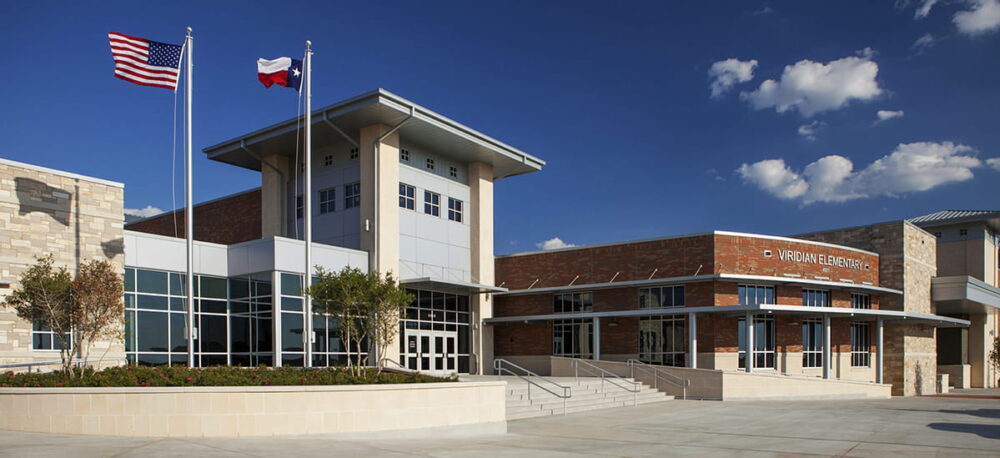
[283, 71]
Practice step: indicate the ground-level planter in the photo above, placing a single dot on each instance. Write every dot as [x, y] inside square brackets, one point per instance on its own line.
[253, 410]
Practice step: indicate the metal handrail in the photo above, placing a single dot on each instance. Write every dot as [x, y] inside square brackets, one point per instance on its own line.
[658, 373]
[603, 373]
[567, 392]
[76, 362]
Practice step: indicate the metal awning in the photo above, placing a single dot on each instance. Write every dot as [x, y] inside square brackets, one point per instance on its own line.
[739, 310]
[450, 286]
[963, 295]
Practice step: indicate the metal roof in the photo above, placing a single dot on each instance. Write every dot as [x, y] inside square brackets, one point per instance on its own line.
[427, 129]
[947, 217]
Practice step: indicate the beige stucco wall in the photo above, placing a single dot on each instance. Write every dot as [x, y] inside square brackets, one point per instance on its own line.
[72, 217]
[481, 257]
[253, 411]
[272, 195]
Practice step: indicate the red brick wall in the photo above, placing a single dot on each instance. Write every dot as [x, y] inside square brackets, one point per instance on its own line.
[227, 221]
[745, 255]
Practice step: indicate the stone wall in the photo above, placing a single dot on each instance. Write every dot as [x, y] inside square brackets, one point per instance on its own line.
[44, 211]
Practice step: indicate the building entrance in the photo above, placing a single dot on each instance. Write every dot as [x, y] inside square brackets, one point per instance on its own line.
[431, 351]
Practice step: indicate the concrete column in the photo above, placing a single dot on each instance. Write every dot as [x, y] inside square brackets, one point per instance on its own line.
[273, 199]
[980, 344]
[749, 341]
[879, 346]
[597, 338]
[827, 354]
[276, 317]
[383, 230]
[481, 258]
[692, 341]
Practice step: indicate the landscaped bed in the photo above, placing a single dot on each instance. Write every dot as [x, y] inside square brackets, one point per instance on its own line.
[144, 376]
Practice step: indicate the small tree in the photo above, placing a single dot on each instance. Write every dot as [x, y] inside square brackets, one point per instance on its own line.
[99, 312]
[387, 301]
[342, 295]
[995, 354]
[44, 296]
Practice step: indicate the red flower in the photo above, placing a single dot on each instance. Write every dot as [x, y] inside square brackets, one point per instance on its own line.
[189, 379]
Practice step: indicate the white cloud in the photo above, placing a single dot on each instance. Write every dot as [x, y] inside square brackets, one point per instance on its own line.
[726, 73]
[924, 9]
[885, 115]
[554, 243]
[809, 130]
[984, 17]
[146, 212]
[911, 167]
[994, 163]
[813, 87]
[923, 43]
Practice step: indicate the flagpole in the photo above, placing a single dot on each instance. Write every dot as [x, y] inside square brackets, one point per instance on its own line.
[307, 205]
[189, 220]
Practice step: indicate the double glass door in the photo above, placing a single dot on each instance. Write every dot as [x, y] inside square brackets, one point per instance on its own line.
[431, 351]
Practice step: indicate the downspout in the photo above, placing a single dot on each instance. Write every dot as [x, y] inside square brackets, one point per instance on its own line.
[281, 189]
[342, 133]
[375, 143]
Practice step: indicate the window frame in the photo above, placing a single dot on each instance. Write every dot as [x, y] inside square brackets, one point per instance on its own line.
[408, 199]
[660, 292]
[812, 351]
[455, 210]
[327, 200]
[585, 299]
[39, 329]
[765, 292]
[865, 300]
[811, 296]
[861, 340]
[432, 203]
[299, 206]
[352, 195]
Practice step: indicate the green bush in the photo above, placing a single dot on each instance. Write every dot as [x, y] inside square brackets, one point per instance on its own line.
[130, 376]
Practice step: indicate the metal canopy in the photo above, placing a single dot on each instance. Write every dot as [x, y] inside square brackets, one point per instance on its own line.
[963, 295]
[449, 286]
[427, 130]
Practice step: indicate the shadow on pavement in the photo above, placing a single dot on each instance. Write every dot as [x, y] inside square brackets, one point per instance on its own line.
[985, 413]
[987, 431]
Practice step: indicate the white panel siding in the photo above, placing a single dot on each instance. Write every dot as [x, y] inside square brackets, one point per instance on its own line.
[433, 246]
[150, 251]
[342, 227]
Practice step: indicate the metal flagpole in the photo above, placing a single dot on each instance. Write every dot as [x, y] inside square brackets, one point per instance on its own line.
[189, 220]
[307, 206]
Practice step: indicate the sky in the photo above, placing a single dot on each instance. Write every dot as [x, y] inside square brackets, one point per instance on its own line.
[654, 118]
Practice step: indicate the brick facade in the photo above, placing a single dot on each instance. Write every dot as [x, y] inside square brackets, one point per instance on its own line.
[229, 220]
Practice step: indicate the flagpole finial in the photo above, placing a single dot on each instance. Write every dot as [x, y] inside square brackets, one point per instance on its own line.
[308, 44]
[189, 31]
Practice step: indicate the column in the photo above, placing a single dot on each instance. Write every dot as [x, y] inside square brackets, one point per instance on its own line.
[748, 321]
[827, 354]
[380, 207]
[276, 318]
[273, 187]
[481, 259]
[879, 336]
[692, 341]
[597, 338]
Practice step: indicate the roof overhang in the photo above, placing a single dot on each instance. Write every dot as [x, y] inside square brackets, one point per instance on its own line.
[963, 295]
[427, 129]
[449, 286]
[738, 310]
[990, 219]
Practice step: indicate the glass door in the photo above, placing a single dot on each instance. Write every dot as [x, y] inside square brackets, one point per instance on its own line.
[431, 351]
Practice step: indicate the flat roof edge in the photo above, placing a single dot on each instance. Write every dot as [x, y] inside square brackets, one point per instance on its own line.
[62, 173]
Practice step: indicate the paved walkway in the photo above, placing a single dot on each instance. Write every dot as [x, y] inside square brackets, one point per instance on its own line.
[929, 426]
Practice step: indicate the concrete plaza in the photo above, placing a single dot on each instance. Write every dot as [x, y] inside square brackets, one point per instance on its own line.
[931, 426]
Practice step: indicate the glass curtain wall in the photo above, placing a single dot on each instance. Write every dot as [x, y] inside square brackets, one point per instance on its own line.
[438, 311]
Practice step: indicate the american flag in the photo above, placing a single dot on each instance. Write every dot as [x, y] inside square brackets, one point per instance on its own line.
[145, 62]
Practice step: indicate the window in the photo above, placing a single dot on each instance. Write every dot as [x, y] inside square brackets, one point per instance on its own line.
[352, 195]
[816, 298]
[432, 203]
[763, 337]
[861, 301]
[430, 164]
[435, 311]
[573, 302]
[298, 207]
[754, 294]
[453, 172]
[860, 345]
[354, 153]
[661, 296]
[455, 210]
[327, 200]
[406, 193]
[572, 338]
[43, 338]
[404, 155]
[328, 160]
[812, 343]
[662, 340]
[963, 232]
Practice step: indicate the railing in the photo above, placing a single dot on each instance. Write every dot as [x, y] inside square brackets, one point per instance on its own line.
[608, 377]
[567, 392]
[76, 363]
[658, 374]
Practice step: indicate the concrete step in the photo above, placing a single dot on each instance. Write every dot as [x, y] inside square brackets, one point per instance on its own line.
[518, 413]
[578, 398]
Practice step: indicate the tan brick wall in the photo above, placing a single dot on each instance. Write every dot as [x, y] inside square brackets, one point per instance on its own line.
[41, 212]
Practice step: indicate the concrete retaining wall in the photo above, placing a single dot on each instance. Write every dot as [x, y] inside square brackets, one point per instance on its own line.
[254, 411]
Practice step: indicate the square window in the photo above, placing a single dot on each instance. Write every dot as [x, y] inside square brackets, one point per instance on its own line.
[404, 155]
[354, 153]
[406, 196]
[328, 160]
[430, 164]
[453, 172]
[327, 200]
[352, 195]
[963, 232]
[432, 203]
[455, 210]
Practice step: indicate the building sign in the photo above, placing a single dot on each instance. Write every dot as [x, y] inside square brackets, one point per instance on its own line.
[821, 259]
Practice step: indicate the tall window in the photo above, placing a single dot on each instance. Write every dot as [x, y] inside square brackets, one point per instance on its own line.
[812, 343]
[455, 210]
[572, 338]
[861, 301]
[763, 336]
[573, 302]
[432, 203]
[298, 207]
[756, 294]
[327, 200]
[352, 195]
[661, 296]
[860, 345]
[406, 193]
[816, 298]
[43, 338]
[662, 340]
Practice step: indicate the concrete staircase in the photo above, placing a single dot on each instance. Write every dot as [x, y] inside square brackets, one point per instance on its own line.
[588, 393]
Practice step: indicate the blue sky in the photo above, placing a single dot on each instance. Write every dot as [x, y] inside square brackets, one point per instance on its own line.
[616, 96]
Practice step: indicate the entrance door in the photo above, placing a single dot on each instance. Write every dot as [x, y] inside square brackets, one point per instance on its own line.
[431, 351]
